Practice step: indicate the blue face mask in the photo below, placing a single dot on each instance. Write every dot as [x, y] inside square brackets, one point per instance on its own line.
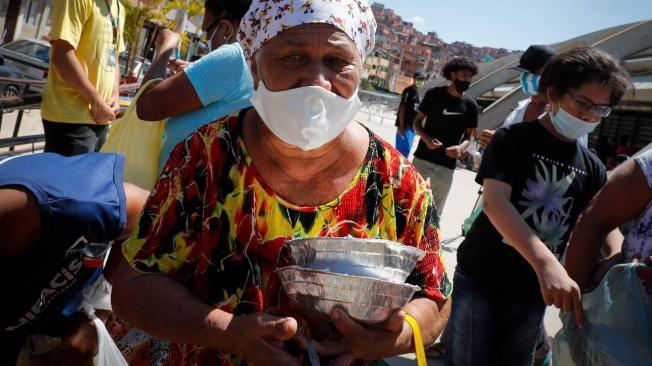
[570, 126]
[530, 83]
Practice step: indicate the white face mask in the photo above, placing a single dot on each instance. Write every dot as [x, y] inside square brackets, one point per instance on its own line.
[570, 126]
[307, 117]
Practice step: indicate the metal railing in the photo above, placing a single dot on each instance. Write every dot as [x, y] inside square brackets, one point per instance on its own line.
[379, 107]
[29, 101]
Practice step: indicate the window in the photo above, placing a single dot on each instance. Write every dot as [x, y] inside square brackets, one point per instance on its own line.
[30, 49]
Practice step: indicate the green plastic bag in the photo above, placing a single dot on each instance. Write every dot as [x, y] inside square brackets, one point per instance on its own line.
[617, 324]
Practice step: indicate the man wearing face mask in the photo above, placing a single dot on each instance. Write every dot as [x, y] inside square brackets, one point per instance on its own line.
[407, 110]
[451, 118]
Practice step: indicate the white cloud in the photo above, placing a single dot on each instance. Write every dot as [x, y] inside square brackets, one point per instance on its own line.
[417, 20]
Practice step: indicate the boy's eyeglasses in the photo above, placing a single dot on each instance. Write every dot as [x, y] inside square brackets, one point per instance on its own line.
[601, 110]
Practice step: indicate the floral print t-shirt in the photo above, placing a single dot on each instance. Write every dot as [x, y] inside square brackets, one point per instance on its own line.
[213, 224]
[638, 243]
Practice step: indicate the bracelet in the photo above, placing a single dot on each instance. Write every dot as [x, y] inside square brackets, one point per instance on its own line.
[418, 340]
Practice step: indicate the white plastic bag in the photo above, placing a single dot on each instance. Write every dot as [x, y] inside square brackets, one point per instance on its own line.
[617, 325]
[98, 296]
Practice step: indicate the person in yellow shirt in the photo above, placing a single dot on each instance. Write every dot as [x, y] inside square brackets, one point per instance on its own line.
[80, 98]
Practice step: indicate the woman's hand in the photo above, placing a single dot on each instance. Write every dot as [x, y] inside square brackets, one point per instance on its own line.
[558, 289]
[176, 65]
[167, 39]
[259, 338]
[392, 337]
[365, 342]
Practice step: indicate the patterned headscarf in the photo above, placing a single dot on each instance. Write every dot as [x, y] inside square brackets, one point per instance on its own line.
[268, 18]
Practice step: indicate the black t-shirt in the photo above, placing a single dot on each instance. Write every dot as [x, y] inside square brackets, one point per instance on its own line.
[447, 118]
[409, 99]
[552, 182]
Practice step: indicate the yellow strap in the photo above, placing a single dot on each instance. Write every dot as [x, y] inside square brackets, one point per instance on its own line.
[418, 340]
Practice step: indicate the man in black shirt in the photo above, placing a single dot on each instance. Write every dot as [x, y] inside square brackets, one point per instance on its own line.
[407, 111]
[451, 118]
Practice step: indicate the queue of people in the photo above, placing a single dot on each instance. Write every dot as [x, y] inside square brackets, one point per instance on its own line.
[264, 147]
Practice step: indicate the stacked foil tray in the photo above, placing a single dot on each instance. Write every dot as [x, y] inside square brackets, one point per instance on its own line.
[365, 277]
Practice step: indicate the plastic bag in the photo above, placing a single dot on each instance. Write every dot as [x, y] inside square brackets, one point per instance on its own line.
[617, 324]
[139, 141]
[98, 296]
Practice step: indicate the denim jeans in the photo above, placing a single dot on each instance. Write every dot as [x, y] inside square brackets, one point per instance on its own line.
[404, 143]
[488, 329]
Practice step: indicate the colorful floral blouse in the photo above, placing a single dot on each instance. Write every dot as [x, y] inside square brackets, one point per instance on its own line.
[213, 224]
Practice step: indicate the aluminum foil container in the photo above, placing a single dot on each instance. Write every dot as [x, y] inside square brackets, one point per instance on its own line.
[381, 259]
[365, 299]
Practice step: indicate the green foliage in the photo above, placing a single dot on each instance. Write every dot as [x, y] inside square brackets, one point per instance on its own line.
[136, 15]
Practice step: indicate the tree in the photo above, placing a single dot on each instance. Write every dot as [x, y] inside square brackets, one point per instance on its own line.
[185, 9]
[135, 17]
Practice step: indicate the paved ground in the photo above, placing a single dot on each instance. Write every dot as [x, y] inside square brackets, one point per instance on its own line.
[459, 205]
[30, 125]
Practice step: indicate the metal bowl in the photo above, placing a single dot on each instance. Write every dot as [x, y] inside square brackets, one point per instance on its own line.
[380, 259]
[365, 299]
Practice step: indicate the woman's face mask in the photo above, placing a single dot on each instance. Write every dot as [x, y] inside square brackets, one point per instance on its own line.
[306, 117]
[205, 42]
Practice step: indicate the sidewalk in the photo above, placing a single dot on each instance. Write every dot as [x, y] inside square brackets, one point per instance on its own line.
[458, 207]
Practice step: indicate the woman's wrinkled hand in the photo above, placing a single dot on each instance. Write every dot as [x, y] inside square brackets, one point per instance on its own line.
[365, 342]
[259, 339]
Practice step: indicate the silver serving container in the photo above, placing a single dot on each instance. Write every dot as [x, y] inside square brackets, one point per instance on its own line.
[380, 259]
[367, 300]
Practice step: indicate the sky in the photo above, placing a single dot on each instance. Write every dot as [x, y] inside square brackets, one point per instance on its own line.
[516, 24]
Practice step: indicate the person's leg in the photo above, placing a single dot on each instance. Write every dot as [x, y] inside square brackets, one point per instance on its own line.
[425, 168]
[444, 181]
[409, 137]
[438, 187]
[521, 325]
[403, 144]
[471, 327]
[101, 132]
[70, 139]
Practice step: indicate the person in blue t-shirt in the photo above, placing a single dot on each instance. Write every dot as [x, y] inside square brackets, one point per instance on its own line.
[51, 208]
[218, 84]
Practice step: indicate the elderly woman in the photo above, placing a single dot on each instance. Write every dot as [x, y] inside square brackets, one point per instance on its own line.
[199, 270]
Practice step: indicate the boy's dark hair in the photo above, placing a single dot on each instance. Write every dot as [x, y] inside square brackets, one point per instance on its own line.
[458, 64]
[232, 10]
[582, 65]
